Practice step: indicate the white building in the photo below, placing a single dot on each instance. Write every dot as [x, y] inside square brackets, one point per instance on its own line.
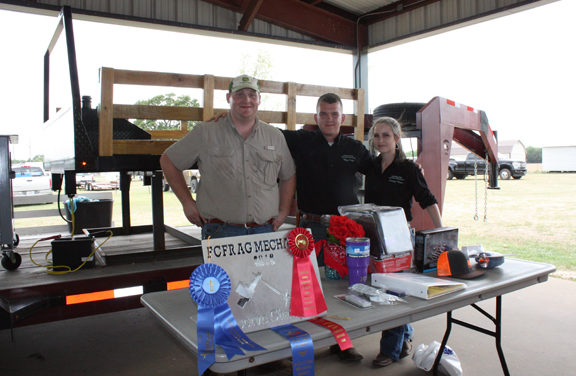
[558, 158]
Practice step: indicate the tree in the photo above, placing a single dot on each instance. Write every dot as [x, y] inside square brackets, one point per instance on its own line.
[259, 66]
[166, 100]
[533, 154]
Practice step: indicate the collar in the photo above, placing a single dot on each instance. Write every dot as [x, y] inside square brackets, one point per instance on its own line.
[336, 140]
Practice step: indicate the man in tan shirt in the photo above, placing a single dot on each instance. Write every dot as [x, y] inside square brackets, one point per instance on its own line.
[248, 175]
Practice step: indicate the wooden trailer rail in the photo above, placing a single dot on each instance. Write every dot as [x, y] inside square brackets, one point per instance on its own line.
[108, 111]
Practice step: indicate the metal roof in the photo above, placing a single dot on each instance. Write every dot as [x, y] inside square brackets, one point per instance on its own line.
[345, 24]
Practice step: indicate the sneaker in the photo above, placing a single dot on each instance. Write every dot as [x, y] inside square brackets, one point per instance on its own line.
[349, 355]
[406, 349]
[382, 361]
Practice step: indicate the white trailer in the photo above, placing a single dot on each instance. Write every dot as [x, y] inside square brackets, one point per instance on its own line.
[559, 158]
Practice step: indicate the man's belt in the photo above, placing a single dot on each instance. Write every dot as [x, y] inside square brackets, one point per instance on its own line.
[312, 217]
[246, 225]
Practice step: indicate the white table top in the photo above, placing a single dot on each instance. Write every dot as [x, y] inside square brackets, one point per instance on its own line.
[177, 311]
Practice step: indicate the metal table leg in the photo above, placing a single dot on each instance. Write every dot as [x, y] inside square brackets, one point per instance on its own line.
[497, 333]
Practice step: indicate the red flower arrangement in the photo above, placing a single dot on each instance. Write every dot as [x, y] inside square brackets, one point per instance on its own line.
[339, 229]
[343, 227]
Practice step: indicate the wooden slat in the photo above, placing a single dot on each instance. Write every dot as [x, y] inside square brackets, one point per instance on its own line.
[168, 135]
[157, 79]
[272, 117]
[152, 147]
[105, 121]
[133, 111]
[316, 91]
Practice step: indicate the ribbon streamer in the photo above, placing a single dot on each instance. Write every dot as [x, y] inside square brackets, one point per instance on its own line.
[210, 288]
[307, 298]
[302, 349]
[337, 330]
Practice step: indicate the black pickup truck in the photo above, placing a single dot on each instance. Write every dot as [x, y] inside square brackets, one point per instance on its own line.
[506, 168]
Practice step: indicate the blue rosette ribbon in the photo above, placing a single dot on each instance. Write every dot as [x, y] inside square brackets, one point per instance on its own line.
[210, 288]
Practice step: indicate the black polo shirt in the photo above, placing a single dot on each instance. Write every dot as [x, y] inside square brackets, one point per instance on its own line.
[326, 174]
[396, 186]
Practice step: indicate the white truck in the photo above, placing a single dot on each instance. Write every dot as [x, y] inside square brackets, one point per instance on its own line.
[31, 185]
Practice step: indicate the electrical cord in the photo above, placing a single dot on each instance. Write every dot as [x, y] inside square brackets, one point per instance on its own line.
[59, 209]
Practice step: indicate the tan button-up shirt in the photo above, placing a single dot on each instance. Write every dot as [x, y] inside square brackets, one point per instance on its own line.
[239, 178]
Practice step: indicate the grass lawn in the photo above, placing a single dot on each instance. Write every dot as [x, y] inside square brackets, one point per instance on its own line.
[533, 218]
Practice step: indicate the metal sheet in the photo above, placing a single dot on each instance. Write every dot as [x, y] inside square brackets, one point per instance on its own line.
[260, 269]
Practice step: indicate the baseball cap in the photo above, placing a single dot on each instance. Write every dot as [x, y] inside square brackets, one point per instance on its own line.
[243, 82]
[456, 264]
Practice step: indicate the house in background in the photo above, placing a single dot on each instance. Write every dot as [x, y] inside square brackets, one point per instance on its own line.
[559, 158]
[507, 149]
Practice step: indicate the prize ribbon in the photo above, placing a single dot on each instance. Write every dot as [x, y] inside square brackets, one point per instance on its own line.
[302, 349]
[210, 288]
[337, 330]
[307, 298]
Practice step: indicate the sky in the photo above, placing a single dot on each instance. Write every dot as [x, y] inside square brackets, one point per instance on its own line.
[519, 69]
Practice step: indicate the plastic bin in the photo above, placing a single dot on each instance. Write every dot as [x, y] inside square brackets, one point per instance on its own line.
[91, 214]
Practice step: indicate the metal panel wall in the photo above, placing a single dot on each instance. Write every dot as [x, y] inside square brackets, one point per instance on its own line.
[186, 13]
[443, 14]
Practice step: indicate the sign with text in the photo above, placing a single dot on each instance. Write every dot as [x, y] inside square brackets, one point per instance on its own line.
[260, 270]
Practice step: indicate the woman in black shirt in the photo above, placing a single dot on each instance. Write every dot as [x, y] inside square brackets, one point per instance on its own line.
[392, 181]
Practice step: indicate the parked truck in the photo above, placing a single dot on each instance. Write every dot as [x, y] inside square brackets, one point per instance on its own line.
[506, 168]
[31, 185]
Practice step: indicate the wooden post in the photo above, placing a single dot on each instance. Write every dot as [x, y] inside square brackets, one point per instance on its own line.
[106, 116]
[291, 106]
[208, 97]
[359, 126]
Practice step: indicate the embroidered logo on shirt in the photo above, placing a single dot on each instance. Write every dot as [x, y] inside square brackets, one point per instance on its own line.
[395, 179]
[348, 158]
[270, 147]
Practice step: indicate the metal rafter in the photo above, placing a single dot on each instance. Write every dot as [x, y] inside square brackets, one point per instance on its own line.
[304, 18]
[394, 9]
[249, 14]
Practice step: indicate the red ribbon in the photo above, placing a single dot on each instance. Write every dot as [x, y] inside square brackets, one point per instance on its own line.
[307, 298]
[337, 330]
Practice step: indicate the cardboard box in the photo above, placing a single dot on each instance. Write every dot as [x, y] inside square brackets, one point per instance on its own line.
[391, 263]
[429, 244]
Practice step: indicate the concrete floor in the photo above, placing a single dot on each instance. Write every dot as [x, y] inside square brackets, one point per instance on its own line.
[539, 327]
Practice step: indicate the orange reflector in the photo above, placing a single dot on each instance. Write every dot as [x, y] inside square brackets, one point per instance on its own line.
[90, 297]
[175, 285]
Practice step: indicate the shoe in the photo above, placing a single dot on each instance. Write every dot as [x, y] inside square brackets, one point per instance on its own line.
[406, 349]
[382, 361]
[349, 355]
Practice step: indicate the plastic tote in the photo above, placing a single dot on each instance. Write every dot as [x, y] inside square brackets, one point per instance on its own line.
[89, 213]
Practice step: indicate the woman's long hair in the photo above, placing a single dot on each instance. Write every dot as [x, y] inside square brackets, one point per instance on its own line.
[396, 129]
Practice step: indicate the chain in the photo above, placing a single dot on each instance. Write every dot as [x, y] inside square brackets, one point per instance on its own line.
[475, 189]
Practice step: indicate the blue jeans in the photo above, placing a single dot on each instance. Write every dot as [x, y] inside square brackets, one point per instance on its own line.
[393, 339]
[216, 230]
